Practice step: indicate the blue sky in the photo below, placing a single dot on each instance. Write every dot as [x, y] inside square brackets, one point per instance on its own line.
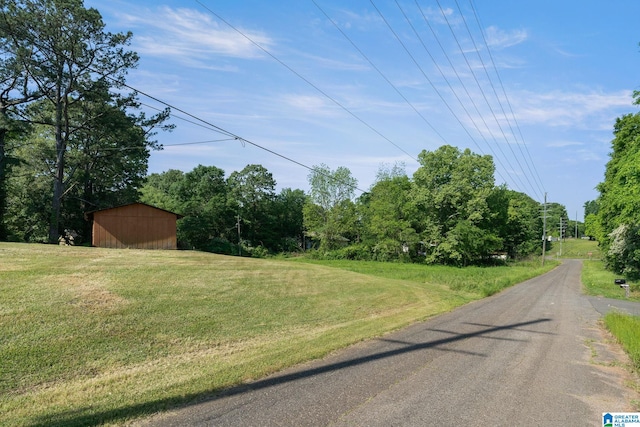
[537, 85]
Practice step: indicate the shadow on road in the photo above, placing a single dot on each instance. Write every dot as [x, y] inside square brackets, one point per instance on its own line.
[84, 416]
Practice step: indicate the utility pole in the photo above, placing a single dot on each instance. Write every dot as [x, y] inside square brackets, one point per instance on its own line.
[544, 228]
[239, 239]
[576, 235]
[561, 234]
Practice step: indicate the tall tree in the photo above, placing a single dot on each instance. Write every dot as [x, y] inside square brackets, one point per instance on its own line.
[107, 156]
[15, 91]
[203, 194]
[556, 215]
[29, 189]
[618, 217]
[390, 217]
[326, 212]
[619, 202]
[251, 195]
[288, 219]
[590, 208]
[451, 189]
[162, 190]
[65, 51]
[522, 234]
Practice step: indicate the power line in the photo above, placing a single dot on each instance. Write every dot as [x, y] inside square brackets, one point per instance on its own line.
[380, 72]
[483, 92]
[351, 113]
[198, 142]
[451, 86]
[211, 126]
[230, 134]
[471, 98]
[536, 175]
[424, 74]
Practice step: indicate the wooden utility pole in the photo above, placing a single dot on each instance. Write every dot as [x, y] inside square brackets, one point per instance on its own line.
[239, 238]
[544, 228]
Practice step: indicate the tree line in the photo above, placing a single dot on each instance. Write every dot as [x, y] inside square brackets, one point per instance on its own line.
[72, 141]
[449, 212]
[613, 219]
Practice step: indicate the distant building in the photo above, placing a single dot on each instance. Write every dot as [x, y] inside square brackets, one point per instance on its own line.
[134, 226]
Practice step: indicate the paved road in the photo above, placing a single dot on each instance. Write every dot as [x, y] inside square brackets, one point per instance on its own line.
[530, 356]
[605, 305]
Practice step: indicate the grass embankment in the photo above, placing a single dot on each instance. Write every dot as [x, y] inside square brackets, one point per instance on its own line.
[626, 329]
[91, 336]
[474, 282]
[599, 282]
[575, 249]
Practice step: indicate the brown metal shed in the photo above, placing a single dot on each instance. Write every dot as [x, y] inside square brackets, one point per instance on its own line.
[135, 226]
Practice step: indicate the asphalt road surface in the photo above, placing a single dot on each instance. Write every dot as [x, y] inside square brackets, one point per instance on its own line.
[533, 355]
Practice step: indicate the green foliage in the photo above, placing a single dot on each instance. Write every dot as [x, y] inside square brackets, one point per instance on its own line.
[84, 139]
[626, 329]
[465, 244]
[556, 213]
[213, 207]
[288, 220]
[617, 221]
[222, 246]
[623, 254]
[451, 190]
[72, 48]
[28, 210]
[450, 213]
[390, 218]
[590, 208]
[201, 197]
[251, 196]
[329, 214]
[329, 188]
[523, 232]
[599, 281]
[163, 190]
[592, 226]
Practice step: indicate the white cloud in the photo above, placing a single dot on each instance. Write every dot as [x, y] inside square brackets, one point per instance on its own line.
[500, 39]
[563, 144]
[444, 16]
[190, 35]
[594, 110]
[308, 103]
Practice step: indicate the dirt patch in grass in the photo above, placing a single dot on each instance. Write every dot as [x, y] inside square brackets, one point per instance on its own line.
[93, 298]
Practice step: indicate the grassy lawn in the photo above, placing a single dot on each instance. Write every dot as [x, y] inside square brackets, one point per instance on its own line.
[93, 336]
[575, 249]
[599, 282]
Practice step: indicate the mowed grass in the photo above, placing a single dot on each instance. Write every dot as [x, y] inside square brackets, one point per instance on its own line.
[576, 249]
[93, 336]
[600, 282]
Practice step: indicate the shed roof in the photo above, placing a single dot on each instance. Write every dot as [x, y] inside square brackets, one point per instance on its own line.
[89, 215]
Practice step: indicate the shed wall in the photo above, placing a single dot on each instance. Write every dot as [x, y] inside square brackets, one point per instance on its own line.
[134, 226]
